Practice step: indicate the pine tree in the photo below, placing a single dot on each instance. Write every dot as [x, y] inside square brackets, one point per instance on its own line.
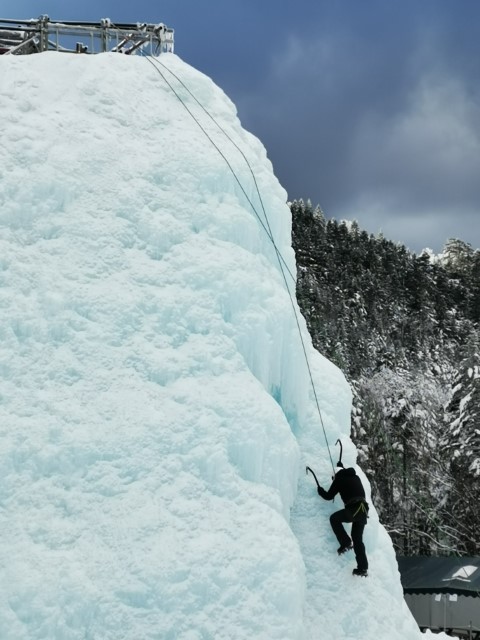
[462, 443]
[396, 324]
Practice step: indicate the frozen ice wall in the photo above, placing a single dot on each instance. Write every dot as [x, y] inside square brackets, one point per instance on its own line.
[156, 411]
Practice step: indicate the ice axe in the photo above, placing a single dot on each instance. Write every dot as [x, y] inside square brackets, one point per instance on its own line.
[307, 469]
[341, 449]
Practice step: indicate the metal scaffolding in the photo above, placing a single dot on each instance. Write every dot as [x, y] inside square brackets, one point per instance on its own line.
[22, 37]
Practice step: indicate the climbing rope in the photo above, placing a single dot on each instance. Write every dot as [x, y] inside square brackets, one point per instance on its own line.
[267, 228]
[155, 63]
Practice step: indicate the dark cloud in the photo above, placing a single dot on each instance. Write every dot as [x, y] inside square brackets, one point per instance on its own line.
[384, 128]
[370, 109]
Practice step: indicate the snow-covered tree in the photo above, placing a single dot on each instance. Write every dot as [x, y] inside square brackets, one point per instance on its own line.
[462, 443]
[396, 325]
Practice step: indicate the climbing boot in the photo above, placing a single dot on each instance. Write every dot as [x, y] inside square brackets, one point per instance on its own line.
[344, 548]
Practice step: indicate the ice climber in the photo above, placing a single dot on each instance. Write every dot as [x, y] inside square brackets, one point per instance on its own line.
[349, 486]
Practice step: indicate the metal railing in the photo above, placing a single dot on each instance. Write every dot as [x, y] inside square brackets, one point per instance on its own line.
[22, 37]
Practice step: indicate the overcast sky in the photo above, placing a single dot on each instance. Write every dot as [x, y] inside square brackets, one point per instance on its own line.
[369, 108]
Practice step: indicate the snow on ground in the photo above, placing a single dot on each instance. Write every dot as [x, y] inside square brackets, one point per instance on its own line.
[156, 410]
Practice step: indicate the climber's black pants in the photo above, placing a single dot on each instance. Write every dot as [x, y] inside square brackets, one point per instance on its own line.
[358, 525]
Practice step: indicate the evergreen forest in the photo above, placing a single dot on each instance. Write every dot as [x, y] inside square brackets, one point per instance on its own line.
[405, 331]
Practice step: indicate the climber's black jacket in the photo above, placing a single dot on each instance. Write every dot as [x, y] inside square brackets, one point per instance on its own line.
[348, 485]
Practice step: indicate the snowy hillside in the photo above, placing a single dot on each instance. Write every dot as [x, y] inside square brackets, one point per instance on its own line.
[156, 409]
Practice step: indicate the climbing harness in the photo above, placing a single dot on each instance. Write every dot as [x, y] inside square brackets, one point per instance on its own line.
[362, 509]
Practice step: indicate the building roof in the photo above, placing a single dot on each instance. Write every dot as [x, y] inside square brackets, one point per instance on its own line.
[420, 574]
